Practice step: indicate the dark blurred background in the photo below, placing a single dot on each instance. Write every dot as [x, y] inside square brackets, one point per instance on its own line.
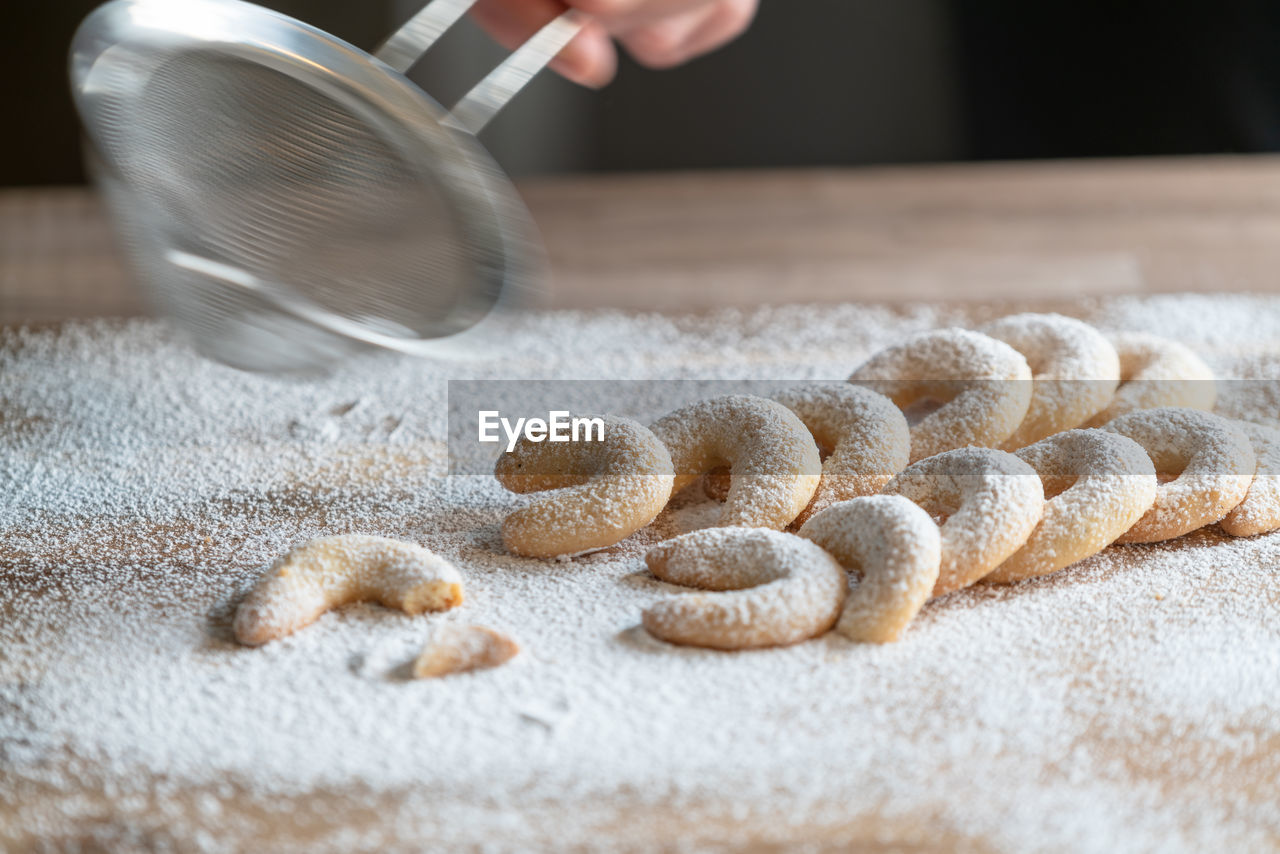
[814, 82]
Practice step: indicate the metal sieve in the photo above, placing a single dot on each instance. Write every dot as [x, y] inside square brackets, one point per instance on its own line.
[289, 199]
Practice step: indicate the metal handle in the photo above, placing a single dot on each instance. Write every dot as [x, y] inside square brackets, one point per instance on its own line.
[476, 108]
[486, 98]
[407, 45]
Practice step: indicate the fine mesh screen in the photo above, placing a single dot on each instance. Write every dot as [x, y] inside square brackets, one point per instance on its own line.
[266, 174]
[289, 199]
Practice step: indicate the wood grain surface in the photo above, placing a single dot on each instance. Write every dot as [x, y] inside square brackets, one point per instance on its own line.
[1033, 231]
[1011, 233]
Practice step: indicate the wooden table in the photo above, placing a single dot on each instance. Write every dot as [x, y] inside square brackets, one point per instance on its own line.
[1034, 231]
[1018, 233]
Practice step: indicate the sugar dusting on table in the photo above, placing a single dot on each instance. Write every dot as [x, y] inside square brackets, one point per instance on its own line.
[1130, 702]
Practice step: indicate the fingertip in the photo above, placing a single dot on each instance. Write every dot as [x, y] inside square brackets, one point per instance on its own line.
[678, 39]
[590, 59]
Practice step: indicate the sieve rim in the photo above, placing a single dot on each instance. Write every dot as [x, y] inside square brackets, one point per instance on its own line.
[498, 238]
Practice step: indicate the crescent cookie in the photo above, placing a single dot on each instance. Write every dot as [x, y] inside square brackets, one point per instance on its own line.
[334, 571]
[767, 589]
[866, 434]
[989, 502]
[897, 548]
[1074, 372]
[604, 490]
[1156, 372]
[1098, 484]
[1213, 462]
[1259, 513]
[773, 462]
[984, 386]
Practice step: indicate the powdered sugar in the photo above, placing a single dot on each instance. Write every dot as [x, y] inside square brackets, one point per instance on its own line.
[1127, 703]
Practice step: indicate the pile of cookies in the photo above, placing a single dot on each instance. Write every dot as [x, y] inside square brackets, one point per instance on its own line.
[953, 457]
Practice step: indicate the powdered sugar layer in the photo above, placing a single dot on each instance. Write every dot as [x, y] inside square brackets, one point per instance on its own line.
[1128, 703]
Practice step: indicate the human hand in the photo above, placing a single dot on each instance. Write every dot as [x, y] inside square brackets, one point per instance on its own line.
[656, 33]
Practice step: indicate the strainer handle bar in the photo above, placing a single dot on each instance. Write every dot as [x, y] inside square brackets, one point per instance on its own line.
[476, 108]
[406, 45]
[491, 94]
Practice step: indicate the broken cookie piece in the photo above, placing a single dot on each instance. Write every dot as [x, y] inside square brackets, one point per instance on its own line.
[457, 648]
